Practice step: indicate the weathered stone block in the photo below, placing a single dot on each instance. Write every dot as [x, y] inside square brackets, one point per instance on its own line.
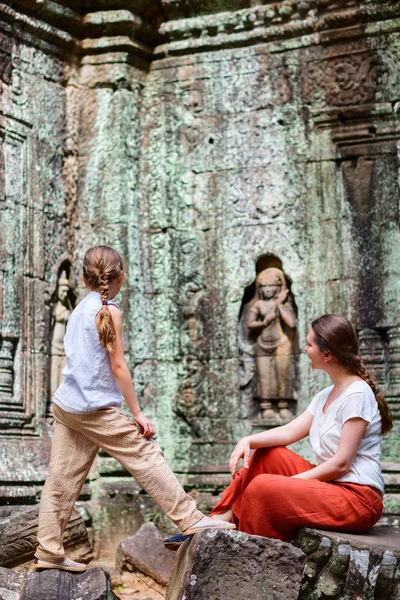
[342, 565]
[145, 552]
[95, 584]
[10, 584]
[227, 565]
[53, 584]
[118, 510]
[18, 537]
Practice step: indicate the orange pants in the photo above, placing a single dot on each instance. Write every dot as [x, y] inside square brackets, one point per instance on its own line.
[266, 500]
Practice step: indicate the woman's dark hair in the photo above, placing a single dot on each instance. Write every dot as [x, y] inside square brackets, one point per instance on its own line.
[336, 335]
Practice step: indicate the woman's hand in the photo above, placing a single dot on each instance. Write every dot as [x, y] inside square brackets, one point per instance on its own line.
[145, 425]
[242, 450]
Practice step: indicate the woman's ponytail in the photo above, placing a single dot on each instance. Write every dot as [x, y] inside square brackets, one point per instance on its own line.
[336, 335]
[386, 415]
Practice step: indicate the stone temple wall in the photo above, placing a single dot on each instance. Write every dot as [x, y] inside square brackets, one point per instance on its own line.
[201, 139]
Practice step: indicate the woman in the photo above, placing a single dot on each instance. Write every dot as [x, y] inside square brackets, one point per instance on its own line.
[277, 490]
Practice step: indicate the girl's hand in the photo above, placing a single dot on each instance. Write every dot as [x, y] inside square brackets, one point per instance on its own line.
[242, 450]
[145, 425]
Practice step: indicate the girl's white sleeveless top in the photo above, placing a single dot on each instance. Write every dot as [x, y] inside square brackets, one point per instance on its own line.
[89, 383]
[357, 400]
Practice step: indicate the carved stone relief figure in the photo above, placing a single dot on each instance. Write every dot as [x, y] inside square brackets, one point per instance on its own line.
[273, 347]
[60, 315]
[267, 345]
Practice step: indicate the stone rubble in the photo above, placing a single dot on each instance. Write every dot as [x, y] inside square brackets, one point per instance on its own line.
[228, 565]
[145, 552]
[18, 537]
[53, 584]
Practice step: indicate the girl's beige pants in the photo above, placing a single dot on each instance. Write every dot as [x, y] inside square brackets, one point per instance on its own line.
[77, 438]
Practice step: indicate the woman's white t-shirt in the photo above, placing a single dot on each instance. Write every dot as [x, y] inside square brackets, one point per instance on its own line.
[357, 400]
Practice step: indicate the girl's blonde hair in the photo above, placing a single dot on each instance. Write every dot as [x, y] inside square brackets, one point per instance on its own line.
[101, 266]
[335, 334]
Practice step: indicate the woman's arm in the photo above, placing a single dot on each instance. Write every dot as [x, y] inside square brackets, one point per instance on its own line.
[294, 431]
[352, 433]
[123, 377]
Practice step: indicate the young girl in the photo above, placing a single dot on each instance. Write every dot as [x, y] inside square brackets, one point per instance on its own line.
[277, 490]
[87, 411]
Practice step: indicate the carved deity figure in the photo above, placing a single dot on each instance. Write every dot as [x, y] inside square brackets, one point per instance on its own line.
[272, 320]
[61, 313]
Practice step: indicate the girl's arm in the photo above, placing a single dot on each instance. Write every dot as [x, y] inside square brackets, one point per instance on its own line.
[294, 431]
[123, 377]
[352, 433]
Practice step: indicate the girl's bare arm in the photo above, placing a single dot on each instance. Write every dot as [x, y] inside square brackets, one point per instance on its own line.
[123, 377]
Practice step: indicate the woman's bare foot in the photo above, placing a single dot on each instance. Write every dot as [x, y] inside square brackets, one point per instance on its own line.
[226, 516]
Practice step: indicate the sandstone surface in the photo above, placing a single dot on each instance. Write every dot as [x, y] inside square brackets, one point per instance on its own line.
[145, 552]
[228, 565]
[53, 584]
[18, 537]
[341, 565]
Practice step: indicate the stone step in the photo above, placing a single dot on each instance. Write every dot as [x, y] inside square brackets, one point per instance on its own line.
[18, 537]
[53, 584]
[231, 565]
[342, 565]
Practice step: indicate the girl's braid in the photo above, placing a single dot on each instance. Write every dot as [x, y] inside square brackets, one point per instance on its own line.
[104, 288]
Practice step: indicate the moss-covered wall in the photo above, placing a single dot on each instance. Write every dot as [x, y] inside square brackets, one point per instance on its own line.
[197, 138]
[286, 148]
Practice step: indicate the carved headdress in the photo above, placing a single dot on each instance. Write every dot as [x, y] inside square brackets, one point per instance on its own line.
[271, 276]
[63, 280]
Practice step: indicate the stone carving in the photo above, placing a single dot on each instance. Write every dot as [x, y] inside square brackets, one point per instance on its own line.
[18, 537]
[60, 315]
[394, 357]
[272, 320]
[94, 584]
[353, 77]
[372, 351]
[7, 353]
[342, 565]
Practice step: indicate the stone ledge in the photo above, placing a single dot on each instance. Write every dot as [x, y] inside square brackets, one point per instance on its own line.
[338, 566]
[342, 565]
